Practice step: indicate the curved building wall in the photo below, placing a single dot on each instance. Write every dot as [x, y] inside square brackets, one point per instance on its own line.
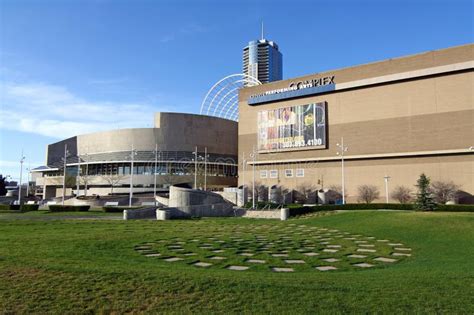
[175, 135]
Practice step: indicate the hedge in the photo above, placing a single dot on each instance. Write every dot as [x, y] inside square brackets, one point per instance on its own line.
[23, 207]
[299, 210]
[60, 208]
[455, 208]
[118, 208]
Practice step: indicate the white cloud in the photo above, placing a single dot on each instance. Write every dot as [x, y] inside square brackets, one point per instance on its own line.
[55, 111]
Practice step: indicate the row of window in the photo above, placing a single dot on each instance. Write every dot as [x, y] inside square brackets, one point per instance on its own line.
[299, 172]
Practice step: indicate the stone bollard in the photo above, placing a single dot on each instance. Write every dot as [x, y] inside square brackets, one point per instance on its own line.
[285, 214]
[162, 215]
[125, 214]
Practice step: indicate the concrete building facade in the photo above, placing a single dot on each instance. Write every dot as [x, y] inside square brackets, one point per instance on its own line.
[398, 118]
[101, 162]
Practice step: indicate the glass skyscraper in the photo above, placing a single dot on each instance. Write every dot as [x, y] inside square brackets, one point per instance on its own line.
[262, 60]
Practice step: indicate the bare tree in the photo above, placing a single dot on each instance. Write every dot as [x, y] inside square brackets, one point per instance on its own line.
[261, 191]
[402, 194]
[444, 191]
[367, 193]
[112, 179]
[304, 192]
[335, 192]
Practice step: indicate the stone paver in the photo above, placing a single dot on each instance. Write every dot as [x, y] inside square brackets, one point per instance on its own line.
[173, 259]
[295, 261]
[330, 250]
[401, 254]
[326, 268]
[384, 259]
[311, 254]
[256, 261]
[364, 265]
[281, 269]
[395, 244]
[239, 268]
[331, 259]
[403, 249]
[280, 255]
[357, 256]
[202, 264]
[153, 255]
[217, 257]
[366, 250]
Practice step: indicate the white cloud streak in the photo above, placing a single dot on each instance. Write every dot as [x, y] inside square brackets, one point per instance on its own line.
[54, 111]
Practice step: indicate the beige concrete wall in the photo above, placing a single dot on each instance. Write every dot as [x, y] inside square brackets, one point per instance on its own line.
[172, 132]
[403, 172]
[429, 114]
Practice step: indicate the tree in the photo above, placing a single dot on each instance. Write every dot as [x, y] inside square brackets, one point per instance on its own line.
[3, 190]
[305, 192]
[444, 191]
[335, 193]
[367, 193]
[112, 179]
[424, 196]
[402, 194]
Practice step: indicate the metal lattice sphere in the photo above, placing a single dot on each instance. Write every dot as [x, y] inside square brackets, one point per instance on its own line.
[222, 100]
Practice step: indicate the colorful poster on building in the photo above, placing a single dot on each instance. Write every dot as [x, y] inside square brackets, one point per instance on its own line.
[295, 127]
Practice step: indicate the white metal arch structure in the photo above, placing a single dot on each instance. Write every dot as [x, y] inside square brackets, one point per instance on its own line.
[222, 98]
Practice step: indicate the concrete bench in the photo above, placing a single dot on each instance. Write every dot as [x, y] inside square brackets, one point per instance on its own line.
[111, 204]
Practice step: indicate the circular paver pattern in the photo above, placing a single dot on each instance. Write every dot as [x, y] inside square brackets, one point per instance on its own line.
[283, 248]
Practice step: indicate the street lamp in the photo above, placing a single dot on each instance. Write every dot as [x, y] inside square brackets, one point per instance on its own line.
[341, 151]
[206, 156]
[132, 157]
[154, 173]
[21, 175]
[66, 154]
[253, 156]
[386, 178]
[28, 181]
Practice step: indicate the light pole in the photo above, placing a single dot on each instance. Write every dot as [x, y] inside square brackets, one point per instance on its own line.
[341, 151]
[206, 156]
[154, 174]
[87, 173]
[243, 170]
[132, 156]
[253, 155]
[386, 178]
[28, 181]
[78, 177]
[66, 153]
[21, 175]
[195, 167]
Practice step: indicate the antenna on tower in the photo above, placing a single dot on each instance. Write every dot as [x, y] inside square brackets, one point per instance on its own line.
[262, 31]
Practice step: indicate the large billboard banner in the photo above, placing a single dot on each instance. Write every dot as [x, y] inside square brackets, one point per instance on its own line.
[292, 128]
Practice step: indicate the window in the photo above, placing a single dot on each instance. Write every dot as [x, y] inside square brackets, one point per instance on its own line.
[300, 172]
[273, 173]
[288, 173]
[263, 174]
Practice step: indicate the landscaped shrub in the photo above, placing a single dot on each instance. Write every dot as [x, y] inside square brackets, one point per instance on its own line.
[118, 208]
[60, 208]
[29, 207]
[456, 208]
[295, 210]
[4, 207]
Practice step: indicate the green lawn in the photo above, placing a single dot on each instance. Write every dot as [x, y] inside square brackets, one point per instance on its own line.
[54, 264]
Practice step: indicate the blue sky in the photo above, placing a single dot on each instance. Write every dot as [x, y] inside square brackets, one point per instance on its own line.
[69, 67]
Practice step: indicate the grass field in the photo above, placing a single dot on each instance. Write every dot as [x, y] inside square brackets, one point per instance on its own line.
[55, 263]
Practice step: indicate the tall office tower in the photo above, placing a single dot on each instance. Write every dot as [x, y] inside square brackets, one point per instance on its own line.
[263, 61]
